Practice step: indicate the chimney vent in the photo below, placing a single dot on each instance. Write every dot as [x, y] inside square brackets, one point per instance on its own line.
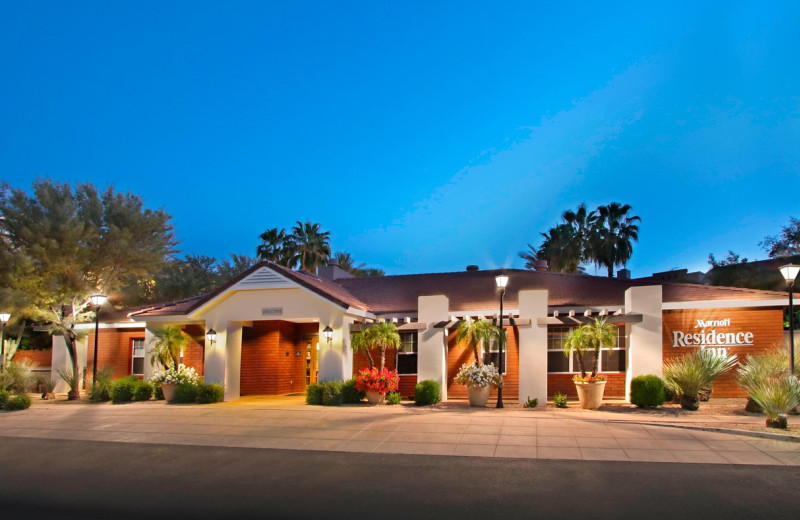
[472, 268]
[624, 274]
[541, 266]
[333, 262]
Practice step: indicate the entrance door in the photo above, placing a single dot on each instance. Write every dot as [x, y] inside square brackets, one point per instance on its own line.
[311, 347]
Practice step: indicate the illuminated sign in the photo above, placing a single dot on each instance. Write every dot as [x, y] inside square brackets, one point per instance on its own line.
[708, 337]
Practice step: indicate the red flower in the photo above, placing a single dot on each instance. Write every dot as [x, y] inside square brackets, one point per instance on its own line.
[380, 381]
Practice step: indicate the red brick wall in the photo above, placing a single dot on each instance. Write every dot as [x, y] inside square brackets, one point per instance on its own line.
[765, 324]
[457, 355]
[615, 386]
[114, 351]
[194, 353]
[42, 358]
[266, 367]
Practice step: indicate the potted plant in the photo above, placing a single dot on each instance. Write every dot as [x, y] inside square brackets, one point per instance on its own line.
[377, 383]
[170, 342]
[590, 337]
[381, 336]
[477, 377]
[170, 378]
[691, 373]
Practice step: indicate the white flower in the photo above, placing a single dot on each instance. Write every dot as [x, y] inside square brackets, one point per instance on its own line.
[180, 375]
[471, 375]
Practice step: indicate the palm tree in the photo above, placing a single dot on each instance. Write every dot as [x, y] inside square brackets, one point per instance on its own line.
[273, 243]
[562, 248]
[473, 333]
[611, 236]
[311, 246]
[170, 342]
[359, 343]
[347, 263]
[581, 222]
[590, 337]
[381, 335]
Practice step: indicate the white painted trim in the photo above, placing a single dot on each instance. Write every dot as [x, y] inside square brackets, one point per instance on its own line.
[110, 325]
[724, 304]
[488, 313]
[580, 310]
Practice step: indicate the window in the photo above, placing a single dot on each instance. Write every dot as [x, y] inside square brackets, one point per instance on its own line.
[556, 361]
[407, 357]
[137, 365]
[492, 355]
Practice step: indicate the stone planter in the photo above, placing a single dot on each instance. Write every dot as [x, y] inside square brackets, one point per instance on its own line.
[168, 389]
[478, 396]
[590, 395]
[375, 398]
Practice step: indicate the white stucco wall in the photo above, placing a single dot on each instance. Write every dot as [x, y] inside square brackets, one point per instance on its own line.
[533, 347]
[432, 343]
[644, 339]
[61, 360]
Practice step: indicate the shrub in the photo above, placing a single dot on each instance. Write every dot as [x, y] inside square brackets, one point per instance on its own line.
[73, 380]
[314, 393]
[158, 394]
[18, 376]
[692, 373]
[5, 395]
[18, 402]
[560, 400]
[332, 393]
[211, 394]
[531, 403]
[393, 398]
[426, 392]
[101, 389]
[142, 391]
[777, 396]
[186, 392]
[647, 391]
[351, 394]
[48, 384]
[122, 390]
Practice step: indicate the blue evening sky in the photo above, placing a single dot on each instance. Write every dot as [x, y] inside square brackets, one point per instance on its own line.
[424, 135]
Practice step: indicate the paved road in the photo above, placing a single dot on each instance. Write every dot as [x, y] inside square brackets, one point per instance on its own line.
[44, 478]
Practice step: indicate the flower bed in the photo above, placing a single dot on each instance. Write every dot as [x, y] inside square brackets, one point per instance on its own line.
[380, 381]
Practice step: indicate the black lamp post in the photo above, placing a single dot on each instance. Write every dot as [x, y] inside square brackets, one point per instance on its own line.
[502, 281]
[789, 273]
[97, 301]
[4, 317]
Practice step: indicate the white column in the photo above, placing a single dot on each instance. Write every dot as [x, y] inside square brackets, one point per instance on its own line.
[233, 360]
[533, 347]
[333, 355]
[644, 354]
[432, 356]
[60, 360]
[214, 360]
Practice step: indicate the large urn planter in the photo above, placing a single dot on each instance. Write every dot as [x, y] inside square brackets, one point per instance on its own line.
[590, 395]
[478, 396]
[375, 397]
[168, 389]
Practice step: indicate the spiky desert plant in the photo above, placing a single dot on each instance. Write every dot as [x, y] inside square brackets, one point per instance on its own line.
[760, 368]
[693, 372]
[48, 385]
[777, 396]
[18, 376]
[73, 380]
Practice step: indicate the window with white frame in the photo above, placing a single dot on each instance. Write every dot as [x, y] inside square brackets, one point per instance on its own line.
[407, 357]
[557, 362]
[137, 363]
[492, 354]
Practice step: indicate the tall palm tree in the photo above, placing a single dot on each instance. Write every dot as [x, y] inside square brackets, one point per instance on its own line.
[581, 222]
[562, 248]
[380, 335]
[273, 243]
[170, 342]
[347, 263]
[473, 333]
[612, 235]
[311, 246]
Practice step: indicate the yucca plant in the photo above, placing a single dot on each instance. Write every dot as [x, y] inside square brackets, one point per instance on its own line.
[760, 368]
[48, 385]
[691, 373]
[777, 396]
[18, 376]
[73, 380]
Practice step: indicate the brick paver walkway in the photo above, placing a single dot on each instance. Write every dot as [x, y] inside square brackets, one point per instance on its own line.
[286, 423]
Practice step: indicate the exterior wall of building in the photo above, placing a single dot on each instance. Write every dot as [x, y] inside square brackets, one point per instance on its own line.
[114, 351]
[194, 353]
[269, 361]
[407, 383]
[766, 326]
[42, 358]
[458, 354]
[615, 386]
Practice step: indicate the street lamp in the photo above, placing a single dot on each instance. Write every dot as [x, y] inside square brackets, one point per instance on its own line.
[4, 317]
[789, 273]
[327, 333]
[97, 301]
[501, 280]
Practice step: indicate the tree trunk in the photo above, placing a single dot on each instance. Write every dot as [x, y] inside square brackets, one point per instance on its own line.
[369, 359]
[579, 357]
[596, 363]
[611, 271]
[69, 340]
[383, 357]
[477, 357]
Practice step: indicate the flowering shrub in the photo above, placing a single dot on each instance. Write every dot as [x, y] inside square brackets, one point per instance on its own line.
[588, 378]
[180, 375]
[471, 374]
[380, 381]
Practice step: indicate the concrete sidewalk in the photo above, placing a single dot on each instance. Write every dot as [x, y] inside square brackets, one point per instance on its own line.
[287, 423]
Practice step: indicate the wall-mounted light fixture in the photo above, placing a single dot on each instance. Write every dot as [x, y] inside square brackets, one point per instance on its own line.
[327, 333]
[211, 336]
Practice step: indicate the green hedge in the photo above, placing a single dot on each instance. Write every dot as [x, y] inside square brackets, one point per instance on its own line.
[5, 395]
[331, 393]
[350, 394]
[142, 391]
[122, 390]
[647, 391]
[427, 392]
[18, 402]
[314, 393]
[393, 398]
[186, 393]
[210, 394]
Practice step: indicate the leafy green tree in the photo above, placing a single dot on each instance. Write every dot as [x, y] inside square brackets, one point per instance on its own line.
[611, 236]
[786, 243]
[183, 278]
[227, 270]
[731, 259]
[61, 245]
[311, 245]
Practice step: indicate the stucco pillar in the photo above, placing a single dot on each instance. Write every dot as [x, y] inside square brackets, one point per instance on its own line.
[149, 340]
[233, 360]
[533, 347]
[214, 359]
[335, 358]
[644, 354]
[432, 343]
[60, 360]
